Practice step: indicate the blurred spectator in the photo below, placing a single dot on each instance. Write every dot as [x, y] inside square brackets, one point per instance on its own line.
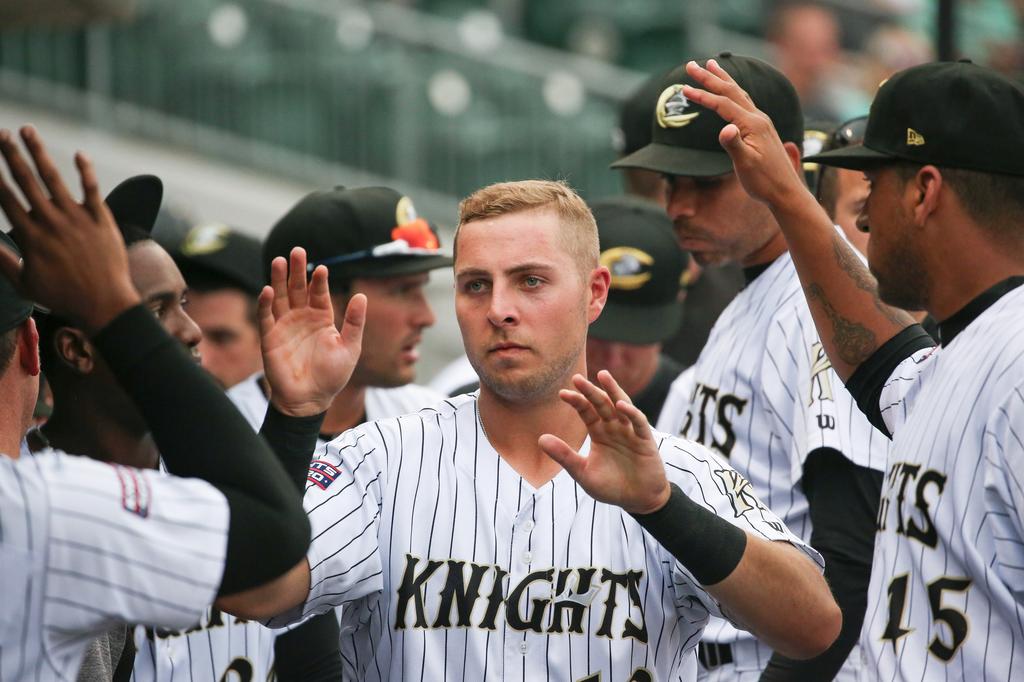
[805, 41]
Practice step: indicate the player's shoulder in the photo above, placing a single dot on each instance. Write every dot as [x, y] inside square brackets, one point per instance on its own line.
[248, 397]
[393, 402]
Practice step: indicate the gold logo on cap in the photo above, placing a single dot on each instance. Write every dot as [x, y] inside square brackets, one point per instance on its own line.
[204, 239]
[914, 138]
[627, 267]
[405, 212]
[672, 106]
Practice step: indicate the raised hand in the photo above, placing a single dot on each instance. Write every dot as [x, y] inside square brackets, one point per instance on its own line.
[759, 158]
[307, 361]
[624, 466]
[74, 258]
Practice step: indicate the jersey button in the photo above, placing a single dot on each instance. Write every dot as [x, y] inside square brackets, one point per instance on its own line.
[527, 558]
[522, 647]
[528, 526]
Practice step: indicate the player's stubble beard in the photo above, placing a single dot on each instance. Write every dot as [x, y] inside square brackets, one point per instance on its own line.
[902, 280]
[533, 387]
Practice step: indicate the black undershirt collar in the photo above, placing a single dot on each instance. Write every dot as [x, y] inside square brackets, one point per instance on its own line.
[754, 271]
[958, 321]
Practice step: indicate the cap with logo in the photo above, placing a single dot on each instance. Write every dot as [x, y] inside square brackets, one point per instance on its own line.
[647, 266]
[358, 232]
[13, 308]
[952, 114]
[816, 135]
[215, 256]
[684, 135]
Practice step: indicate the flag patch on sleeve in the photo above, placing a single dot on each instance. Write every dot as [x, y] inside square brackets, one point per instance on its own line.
[322, 473]
[136, 496]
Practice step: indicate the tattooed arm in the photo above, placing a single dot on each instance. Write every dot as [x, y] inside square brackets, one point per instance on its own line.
[843, 297]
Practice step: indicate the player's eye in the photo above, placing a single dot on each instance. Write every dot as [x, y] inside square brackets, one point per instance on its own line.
[475, 286]
[532, 281]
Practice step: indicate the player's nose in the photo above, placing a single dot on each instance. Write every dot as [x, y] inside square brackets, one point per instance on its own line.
[501, 310]
[681, 198]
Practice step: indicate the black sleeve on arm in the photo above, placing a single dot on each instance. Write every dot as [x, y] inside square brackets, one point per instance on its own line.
[867, 381]
[310, 652]
[706, 544]
[200, 433]
[293, 440]
[843, 500]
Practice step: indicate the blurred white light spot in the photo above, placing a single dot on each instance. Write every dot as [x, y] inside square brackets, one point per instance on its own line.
[228, 25]
[564, 93]
[595, 37]
[480, 30]
[355, 29]
[449, 92]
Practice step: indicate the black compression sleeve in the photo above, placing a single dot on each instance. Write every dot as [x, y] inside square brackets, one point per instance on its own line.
[867, 381]
[200, 433]
[293, 440]
[310, 652]
[707, 545]
[843, 500]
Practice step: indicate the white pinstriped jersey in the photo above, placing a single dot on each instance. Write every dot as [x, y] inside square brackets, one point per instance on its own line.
[947, 583]
[451, 566]
[221, 644]
[86, 545]
[764, 395]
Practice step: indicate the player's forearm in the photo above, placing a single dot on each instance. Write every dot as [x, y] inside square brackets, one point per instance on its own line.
[842, 294]
[777, 594]
[200, 433]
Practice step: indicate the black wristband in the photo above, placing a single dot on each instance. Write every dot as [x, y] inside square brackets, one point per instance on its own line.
[706, 544]
[293, 440]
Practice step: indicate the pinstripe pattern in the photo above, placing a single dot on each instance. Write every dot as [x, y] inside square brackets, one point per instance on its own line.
[451, 566]
[947, 588]
[115, 545]
[763, 394]
[219, 642]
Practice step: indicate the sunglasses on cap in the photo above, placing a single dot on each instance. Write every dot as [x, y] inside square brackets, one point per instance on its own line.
[849, 133]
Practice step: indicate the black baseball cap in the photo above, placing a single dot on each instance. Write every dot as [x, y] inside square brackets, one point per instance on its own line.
[13, 308]
[216, 256]
[640, 250]
[135, 202]
[952, 114]
[684, 135]
[358, 232]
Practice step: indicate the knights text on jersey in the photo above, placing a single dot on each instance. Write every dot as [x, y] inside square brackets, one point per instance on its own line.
[86, 545]
[451, 566]
[947, 584]
[763, 395]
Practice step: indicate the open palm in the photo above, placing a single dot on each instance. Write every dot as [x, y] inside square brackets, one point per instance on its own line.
[307, 361]
[624, 466]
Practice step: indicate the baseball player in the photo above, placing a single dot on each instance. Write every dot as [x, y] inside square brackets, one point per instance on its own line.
[93, 417]
[642, 310]
[762, 393]
[223, 271]
[85, 544]
[944, 213]
[473, 541]
[374, 243]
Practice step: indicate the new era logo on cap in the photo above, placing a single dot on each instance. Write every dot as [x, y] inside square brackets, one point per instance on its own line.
[914, 138]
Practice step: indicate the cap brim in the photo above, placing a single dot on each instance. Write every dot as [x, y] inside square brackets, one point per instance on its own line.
[638, 324]
[854, 157]
[392, 266]
[663, 158]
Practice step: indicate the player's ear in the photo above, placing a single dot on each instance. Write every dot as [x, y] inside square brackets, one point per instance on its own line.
[600, 281]
[924, 189]
[74, 349]
[28, 347]
[793, 152]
